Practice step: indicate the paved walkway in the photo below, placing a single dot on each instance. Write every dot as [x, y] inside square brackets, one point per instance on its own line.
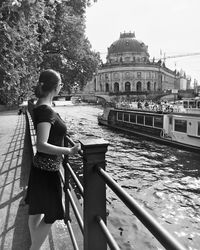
[14, 170]
[15, 161]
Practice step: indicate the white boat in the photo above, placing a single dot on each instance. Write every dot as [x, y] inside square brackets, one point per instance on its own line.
[75, 99]
[179, 129]
[61, 101]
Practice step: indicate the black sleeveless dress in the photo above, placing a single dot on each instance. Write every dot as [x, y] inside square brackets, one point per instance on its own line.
[44, 193]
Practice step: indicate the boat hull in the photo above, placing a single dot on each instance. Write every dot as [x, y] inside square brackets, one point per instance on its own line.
[150, 133]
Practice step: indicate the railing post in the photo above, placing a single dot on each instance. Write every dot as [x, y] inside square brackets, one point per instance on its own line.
[94, 193]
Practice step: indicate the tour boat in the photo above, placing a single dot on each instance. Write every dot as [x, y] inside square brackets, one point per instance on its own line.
[179, 129]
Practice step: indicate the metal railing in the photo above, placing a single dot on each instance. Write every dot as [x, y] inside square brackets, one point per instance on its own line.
[91, 217]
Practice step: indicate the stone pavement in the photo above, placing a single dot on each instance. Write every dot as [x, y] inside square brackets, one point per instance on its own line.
[15, 162]
[14, 171]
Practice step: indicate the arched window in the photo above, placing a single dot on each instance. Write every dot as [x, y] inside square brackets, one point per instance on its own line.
[116, 87]
[107, 87]
[139, 86]
[154, 86]
[127, 87]
[101, 87]
[148, 86]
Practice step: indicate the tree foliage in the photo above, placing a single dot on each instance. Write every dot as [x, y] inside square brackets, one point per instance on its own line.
[38, 34]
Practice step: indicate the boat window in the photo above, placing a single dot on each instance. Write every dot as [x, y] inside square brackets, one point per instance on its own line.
[180, 126]
[158, 122]
[140, 119]
[126, 117]
[133, 118]
[149, 120]
[198, 104]
[198, 132]
[192, 104]
[185, 104]
[119, 116]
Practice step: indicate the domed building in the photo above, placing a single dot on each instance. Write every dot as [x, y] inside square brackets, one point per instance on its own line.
[127, 49]
[129, 71]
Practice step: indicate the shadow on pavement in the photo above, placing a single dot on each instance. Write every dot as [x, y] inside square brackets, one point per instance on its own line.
[14, 172]
[15, 164]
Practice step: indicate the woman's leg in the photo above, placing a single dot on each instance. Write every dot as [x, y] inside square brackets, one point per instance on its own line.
[38, 230]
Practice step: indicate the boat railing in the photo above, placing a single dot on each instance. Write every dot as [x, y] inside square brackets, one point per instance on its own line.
[91, 214]
[152, 107]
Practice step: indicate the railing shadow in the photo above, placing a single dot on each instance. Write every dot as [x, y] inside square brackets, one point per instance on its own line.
[14, 173]
[21, 235]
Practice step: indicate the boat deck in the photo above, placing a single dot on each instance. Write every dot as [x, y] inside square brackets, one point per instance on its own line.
[158, 112]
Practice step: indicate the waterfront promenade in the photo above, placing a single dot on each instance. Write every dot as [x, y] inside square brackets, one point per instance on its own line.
[15, 162]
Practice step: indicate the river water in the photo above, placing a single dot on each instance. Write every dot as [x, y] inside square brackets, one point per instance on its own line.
[163, 180]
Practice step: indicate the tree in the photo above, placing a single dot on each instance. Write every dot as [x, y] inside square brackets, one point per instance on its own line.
[37, 34]
[69, 51]
[20, 50]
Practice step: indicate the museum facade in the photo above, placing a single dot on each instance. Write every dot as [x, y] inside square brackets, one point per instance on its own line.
[128, 69]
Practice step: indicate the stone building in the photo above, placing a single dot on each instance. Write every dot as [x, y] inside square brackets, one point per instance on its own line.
[128, 70]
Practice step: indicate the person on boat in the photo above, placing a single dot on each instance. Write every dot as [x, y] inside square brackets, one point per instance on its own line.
[146, 105]
[139, 105]
[44, 193]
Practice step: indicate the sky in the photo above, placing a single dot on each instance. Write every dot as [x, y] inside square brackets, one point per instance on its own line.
[170, 27]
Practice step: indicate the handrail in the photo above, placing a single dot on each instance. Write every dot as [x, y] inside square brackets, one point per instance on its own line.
[111, 241]
[62, 177]
[150, 223]
[73, 238]
[77, 214]
[76, 180]
[72, 143]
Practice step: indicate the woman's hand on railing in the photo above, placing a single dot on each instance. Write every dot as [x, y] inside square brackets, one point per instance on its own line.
[71, 142]
[75, 149]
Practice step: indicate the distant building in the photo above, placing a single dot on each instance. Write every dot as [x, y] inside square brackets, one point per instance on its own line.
[195, 84]
[196, 87]
[128, 70]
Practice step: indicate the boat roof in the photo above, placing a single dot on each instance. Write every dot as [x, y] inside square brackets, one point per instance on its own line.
[157, 112]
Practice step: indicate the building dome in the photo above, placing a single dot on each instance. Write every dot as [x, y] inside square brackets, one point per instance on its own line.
[127, 43]
[127, 49]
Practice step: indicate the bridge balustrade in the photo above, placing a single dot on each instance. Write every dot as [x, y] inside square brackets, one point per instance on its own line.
[91, 216]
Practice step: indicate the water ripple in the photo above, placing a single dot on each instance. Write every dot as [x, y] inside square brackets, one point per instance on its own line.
[164, 180]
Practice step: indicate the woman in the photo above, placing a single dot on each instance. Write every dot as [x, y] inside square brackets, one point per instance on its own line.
[44, 194]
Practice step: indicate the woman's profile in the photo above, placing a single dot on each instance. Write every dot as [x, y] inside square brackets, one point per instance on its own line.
[44, 193]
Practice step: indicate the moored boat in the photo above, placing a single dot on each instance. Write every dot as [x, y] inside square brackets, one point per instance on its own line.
[75, 99]
[180, 129]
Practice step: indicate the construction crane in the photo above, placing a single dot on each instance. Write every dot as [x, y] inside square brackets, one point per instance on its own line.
[182, 55]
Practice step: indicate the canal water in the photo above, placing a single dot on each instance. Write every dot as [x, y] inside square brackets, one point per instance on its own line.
[163, 180]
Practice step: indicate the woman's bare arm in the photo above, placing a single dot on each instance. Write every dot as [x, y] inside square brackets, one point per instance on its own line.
[43, 130]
